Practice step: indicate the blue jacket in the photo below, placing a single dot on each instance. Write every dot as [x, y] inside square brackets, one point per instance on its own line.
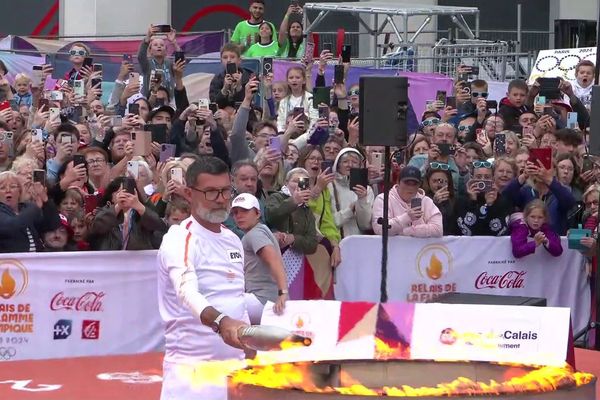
[559, 200]
[13, 227]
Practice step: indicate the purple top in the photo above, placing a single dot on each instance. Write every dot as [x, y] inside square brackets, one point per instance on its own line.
[521, 246]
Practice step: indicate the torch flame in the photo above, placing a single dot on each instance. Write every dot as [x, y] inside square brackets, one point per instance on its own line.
[300, 323]
[7, 285]
[434, 270]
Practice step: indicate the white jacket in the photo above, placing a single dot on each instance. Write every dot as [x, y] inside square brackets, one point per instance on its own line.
[351, 222]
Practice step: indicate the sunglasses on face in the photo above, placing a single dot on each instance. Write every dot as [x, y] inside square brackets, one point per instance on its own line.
[464, 128]
[480, 94]
[430, 122]
[354, 92]
[78, 52]
[441, 166]
[482, 164]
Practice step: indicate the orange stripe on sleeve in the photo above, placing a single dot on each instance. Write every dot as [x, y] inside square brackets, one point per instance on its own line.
[187, 248]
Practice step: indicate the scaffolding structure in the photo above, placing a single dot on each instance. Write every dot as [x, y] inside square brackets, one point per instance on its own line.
[387, 10]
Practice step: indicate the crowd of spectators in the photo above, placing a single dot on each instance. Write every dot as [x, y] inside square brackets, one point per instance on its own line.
[82, 175]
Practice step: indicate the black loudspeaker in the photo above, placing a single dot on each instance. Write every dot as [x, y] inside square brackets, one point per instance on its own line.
[572, 33]
[595, 122]
[383, 110]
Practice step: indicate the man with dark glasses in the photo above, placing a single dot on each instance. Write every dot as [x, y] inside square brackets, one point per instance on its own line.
[77, 55]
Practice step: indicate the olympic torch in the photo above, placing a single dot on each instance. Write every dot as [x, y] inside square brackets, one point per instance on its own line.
[271, 338]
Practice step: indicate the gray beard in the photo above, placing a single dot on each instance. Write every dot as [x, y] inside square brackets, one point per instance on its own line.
[213, 216]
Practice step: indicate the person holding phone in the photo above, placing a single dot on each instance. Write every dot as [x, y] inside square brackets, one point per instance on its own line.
[96, 160]
[291, 33]
[265, 46]
[77, 54]
[439, 187]
[411, 212]
[123, 222]
[298, 97]
[589, 219]
[484, 211]
[352, 206]
[152, 56]
[245, 32]
[227, 87]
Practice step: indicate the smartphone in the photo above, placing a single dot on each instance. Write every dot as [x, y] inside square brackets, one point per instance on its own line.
[213, 107]
[179, 56]
[346, 53]
[528, 130]
[482, 186]
[328, 46]
[323, 112]
[167, 150]
[588, 164]
[158, 132]
[451, 101]
[231, 68]
[158, 75]
[309, 51]
[129, 185]
[133, 108]
[416, 202]
[203, 104]
[78, 159]
[116, 120]
[56, 95]
[42, 103]
[500, 144]
[298, 111]
[4, 105]
[79, 87]
[275, 143]
[327, 164]
[541, 100]
[142, 145]
[446, 149]
[491, 104]
[177, 175]
[267, 66]
[572, 120]
[37, 135]
[163, 28]
[338, 74]
[134, 77]
[133, 169]
[321, 95]
[359, 176]
[474, 70]
[303, 183]
[54, 113]
[39, 175]
[37, 76]
[543, 154]
[88, 62]
[97, 67]
[441, 96]
[377, 160]
[127, 58]
[91, 203]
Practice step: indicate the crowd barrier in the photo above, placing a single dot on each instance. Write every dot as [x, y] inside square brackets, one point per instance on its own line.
[54, 305]
[421, 269]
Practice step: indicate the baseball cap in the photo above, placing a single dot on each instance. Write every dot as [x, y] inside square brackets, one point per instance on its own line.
[410, 173]
[156, 110]
[246, 201]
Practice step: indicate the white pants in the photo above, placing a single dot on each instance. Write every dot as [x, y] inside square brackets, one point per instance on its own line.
[254, 308]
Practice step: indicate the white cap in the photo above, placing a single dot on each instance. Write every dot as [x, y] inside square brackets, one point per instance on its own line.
[246, 201]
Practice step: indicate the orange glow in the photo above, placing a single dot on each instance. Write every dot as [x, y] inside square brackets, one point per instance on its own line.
[434, 270]
[300, 323]
[7, 285]
[383, 351]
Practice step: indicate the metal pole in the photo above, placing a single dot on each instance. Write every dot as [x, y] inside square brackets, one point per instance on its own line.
[596, 272]
[477, 25]
[375, 34]
[595, 83]
[519, 28]
[385, 226]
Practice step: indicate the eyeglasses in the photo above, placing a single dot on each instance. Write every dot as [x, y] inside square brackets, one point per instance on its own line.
[591, 203]
[5, 135]
[96, 161]
[213, 195]
[464, 128]
[482, 164]
[432, 121]
[354, 92]
[440, 181]
[78, 52]
[438, 165]
[13, 186]
[480, 94]
[319, 159]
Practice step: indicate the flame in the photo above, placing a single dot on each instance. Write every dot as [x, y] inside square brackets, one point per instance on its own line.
[7, 285]
[383, 351]
[434, 270]
[300, 323]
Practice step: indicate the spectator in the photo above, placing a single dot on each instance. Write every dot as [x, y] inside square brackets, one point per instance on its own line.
[71, 203]
[542, 185]
[512, 106]
[419, 145]
[5, 143]
[521, 159]
[265, 46]
[59, 236]
[584, 80]
[123, 222]
[534, 226]
[430, 121]
[512, 144]
[97, 167]
[264, 273]
[332, 148]
[245, 32]
[485, 211]
[78, 224]
[227, 89]
[438, 186]
[298, 98]
[20, 223]
[424, 220]
[291, 33]
[23, 95]
[567, 173]
[77, 54]
[590, 219]
[474, 152]
[152, 57]
[352, 207]
[178, 209]
[567, 141]
[505, 169]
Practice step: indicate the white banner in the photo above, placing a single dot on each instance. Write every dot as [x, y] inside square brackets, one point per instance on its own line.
[561, 63]
[55, 305]
[422, 269]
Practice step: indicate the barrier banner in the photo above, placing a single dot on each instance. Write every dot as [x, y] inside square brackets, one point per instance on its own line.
[421, 269]
[362, 330]
[55, 305]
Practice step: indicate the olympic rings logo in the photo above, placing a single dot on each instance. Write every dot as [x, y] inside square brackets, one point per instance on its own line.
[6, 353]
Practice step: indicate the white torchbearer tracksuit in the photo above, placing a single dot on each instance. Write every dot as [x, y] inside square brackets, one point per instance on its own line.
[198, 268]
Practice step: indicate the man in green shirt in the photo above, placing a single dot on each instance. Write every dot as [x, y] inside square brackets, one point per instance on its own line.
[246, 32]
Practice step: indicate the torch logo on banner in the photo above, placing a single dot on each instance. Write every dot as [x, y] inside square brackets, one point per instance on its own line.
[13, 279]
[301, 322]
[434, 263]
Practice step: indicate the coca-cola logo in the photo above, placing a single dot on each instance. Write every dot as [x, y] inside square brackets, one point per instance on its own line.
[87, 302]
[508, 280]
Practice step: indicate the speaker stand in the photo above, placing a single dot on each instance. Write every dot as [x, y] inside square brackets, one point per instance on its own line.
[385, 225]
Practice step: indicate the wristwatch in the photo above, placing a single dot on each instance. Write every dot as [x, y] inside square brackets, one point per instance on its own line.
[217, 322]
[282, 292]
